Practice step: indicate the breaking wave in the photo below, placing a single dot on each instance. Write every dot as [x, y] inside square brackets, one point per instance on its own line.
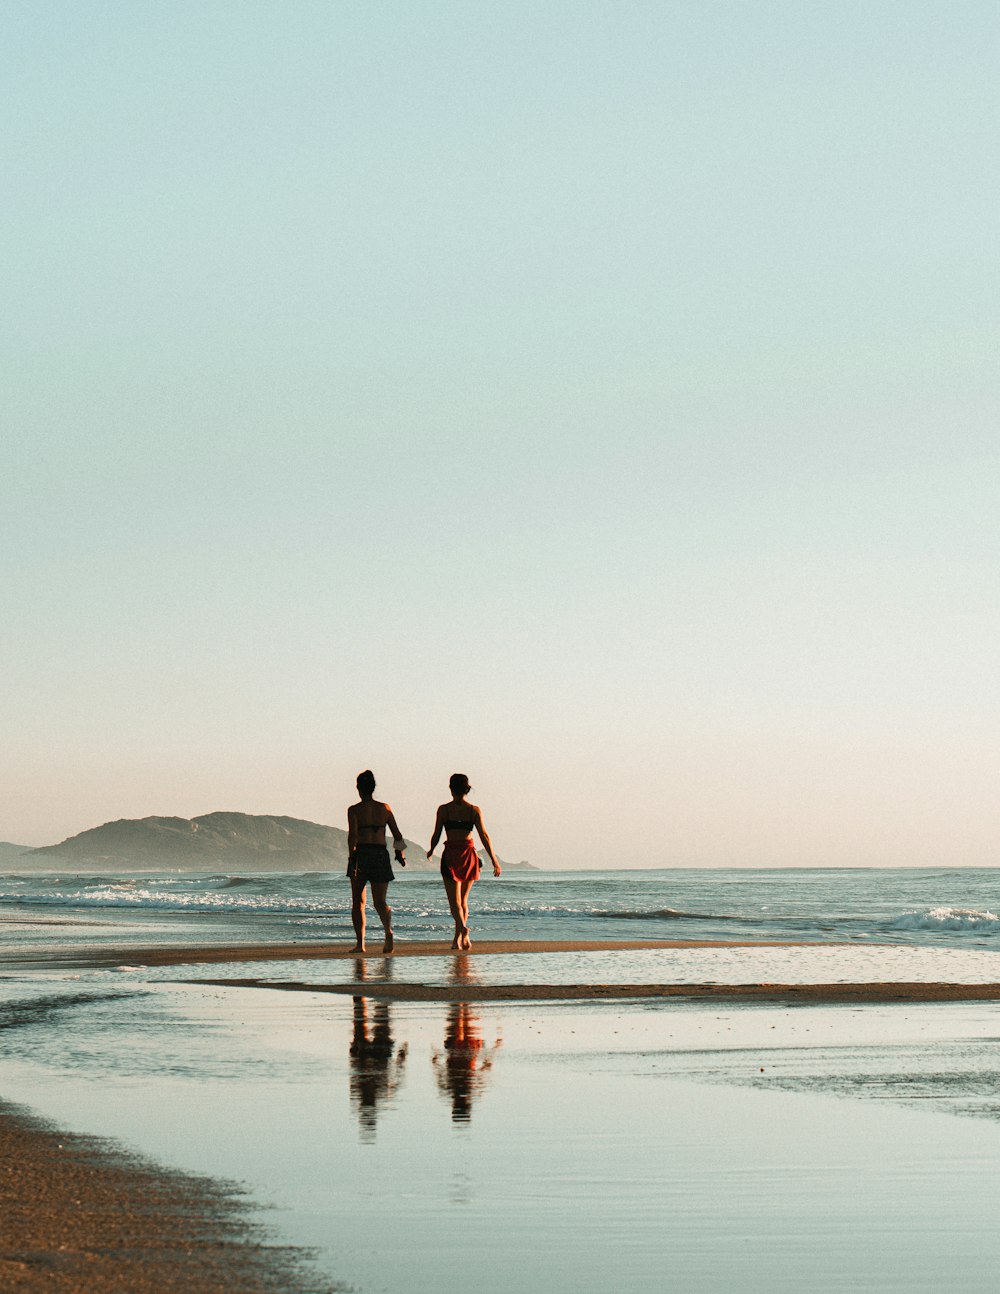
[943, 918]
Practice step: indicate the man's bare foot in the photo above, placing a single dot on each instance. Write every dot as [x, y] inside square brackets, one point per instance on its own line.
[389, 942]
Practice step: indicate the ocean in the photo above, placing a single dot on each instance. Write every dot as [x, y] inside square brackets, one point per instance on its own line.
[946, 907]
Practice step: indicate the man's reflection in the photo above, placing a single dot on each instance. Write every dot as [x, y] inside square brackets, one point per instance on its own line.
[461, 1069]
[376, 1063]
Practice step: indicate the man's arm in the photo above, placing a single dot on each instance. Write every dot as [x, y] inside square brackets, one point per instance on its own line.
[398, 843]
[352, 831]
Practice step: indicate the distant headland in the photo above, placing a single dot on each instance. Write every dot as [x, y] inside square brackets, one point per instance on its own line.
[225, 842]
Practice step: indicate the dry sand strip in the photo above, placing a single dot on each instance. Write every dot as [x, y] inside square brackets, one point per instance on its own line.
[789, 994]
[186, 955]
[80, 1217]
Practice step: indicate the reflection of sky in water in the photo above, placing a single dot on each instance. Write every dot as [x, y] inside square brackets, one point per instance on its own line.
[696, 1141]
[607, 1146]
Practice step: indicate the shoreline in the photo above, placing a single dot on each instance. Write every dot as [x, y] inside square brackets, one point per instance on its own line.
[789, 994]
[207, 954]
[828, 992]
[81, 1213]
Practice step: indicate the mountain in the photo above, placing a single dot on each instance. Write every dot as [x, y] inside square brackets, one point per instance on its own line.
[214, 842]
[224, 842]
[10, 853]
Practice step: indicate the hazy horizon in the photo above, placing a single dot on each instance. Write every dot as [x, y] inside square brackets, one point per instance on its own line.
[598, 399]
[539, 865]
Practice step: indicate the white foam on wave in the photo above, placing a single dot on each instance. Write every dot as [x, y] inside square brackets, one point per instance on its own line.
[134, 897]
[945, 918]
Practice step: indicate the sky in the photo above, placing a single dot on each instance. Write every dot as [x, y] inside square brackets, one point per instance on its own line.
[597, 398]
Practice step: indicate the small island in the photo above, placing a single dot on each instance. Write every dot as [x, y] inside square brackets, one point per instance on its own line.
[223, 842]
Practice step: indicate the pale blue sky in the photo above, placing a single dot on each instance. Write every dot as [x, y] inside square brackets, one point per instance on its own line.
[598, 398]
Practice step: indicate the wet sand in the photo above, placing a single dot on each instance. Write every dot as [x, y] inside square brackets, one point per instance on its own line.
[189, 955]
[214, 954]
[79, 1215]
[789, 994]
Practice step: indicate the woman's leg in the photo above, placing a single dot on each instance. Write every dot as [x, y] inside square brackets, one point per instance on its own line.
[380, 891]
[463, 904]
[451, 889]
[358, 911]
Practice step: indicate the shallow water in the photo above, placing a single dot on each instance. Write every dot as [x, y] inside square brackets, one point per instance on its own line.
[428, 1147]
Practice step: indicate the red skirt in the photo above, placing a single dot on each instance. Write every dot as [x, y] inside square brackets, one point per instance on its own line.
[460, 861]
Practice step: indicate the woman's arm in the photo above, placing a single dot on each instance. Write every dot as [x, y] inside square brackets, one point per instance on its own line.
[398, 843]
[477, 819]
[438, 828]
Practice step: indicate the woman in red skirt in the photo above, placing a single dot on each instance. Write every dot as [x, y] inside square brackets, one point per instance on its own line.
[460, 863]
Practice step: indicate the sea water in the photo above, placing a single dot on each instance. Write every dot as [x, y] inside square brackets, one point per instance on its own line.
[946, 907]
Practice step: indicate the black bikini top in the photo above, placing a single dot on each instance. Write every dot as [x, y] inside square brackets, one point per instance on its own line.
[463, 825]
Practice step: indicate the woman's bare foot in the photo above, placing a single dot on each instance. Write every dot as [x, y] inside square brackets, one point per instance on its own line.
[389, 942]
[456, 943]
[464, 942]
[358, 948]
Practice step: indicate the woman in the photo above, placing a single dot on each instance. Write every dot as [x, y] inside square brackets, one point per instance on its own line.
[460, 864]
[368, 862]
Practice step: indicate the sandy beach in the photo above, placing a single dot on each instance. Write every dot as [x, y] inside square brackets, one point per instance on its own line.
[81, 1215]
[70, 957]
[789, 994]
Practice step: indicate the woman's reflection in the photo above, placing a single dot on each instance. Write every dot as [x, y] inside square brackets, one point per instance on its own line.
[461, 1069]
[376, 1062]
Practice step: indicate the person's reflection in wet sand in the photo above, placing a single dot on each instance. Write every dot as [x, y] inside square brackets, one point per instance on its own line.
[462, 1067]
[376, 1062]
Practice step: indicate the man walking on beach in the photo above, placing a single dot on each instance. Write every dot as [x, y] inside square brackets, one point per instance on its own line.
[368, 858]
